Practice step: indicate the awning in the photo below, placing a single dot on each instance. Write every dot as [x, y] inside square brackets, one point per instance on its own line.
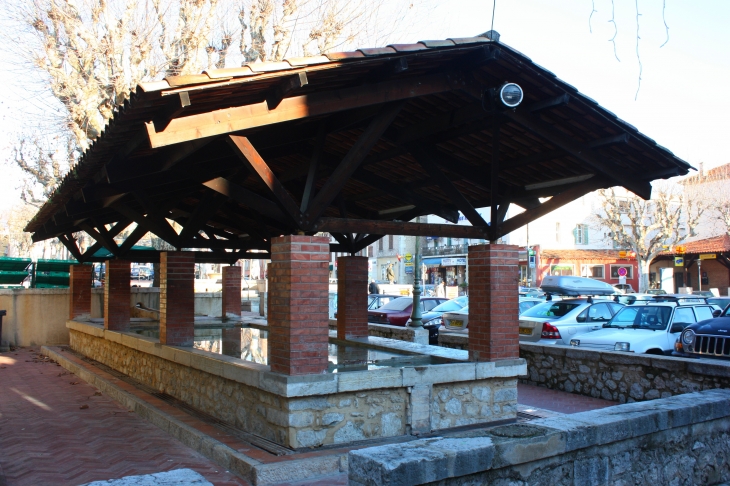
[432, 262]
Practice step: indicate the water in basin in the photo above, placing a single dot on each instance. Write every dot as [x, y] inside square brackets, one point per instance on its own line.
[251, 344]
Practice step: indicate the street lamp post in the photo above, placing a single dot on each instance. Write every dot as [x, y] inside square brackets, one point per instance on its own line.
[416, 320]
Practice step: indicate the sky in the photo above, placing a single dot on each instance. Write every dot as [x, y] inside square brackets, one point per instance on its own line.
[682, 102]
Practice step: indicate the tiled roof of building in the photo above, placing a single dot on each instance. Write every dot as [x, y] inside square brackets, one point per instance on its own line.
[720, 173]
[716, 244]
[593, 255]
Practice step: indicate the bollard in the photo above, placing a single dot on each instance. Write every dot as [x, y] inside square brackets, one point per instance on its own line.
[3, 345]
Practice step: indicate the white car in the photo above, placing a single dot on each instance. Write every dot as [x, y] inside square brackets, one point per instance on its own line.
[456, 320]
[557, 322]
[651, 328]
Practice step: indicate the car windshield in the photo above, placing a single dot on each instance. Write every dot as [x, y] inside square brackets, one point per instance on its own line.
[649, 317]
[719, 301]
[451, 305]
[550, 309]
[398, 304]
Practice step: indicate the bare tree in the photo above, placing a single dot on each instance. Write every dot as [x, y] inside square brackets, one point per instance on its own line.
[93, 53]
[649, 227]
[13, 240]
[43, 165]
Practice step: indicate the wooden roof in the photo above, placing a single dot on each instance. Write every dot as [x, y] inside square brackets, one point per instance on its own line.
[354, 143]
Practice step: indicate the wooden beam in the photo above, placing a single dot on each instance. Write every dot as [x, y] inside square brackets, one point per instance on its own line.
[552, 204]
[314, 166]
[290, 84]
[247, 198]
[164, 231]
[425, 156]
[352, 160]
[580, 151]
[235, 119]
[546, 104]
[340, 225]
[133, 238]
[175, 106]
[251, 158]
[100, 234]
[70, 243]
[206, 208]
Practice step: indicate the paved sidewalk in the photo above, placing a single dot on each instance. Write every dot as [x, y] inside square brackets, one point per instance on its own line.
[558, 401]
[55, 430]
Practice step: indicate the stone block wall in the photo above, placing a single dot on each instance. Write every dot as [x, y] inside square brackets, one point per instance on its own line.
[622, 377]
[459, 404]
[675, 441]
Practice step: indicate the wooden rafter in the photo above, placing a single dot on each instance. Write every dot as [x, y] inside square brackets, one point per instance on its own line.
[236, 119]
[352, 160]
[376, 227]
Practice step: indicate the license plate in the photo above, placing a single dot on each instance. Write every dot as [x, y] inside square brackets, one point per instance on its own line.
[526, 330]
[456, 323]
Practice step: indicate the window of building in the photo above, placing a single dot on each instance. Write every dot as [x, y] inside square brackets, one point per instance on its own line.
[580, 233]
[615, 271]
[557, 232]
[592, 271]
[380, 244]
[562, 269]
[390, 242]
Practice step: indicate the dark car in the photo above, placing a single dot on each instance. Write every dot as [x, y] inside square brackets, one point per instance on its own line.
[398, 311]
[376, 301]
[431, 320]
[706, 339]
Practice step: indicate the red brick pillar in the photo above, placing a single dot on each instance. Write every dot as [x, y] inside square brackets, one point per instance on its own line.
[352, 297]
[79, 291]
[298, 304]
[231, 342]
[177, 298]
[493, 303]
[231, 305]
[117, 299]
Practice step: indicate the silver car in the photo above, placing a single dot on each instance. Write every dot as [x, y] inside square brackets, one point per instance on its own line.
[557, 322]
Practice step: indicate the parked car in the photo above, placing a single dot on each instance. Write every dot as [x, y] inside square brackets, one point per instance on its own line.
[458, 321]
[433, 319]
[398, 311]
[376, 301]
[134, 273]
[557, 322]
[652, 328]
[703, 293]
[529, 302]
[721, 302]
[709, 338]
[656, 291]
[634, 299]
[624, 288]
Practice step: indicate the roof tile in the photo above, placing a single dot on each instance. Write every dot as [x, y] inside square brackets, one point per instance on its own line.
[437, 43]
[408, 47]
[594, 255]
[268, 66]
[306, 61]
[469, 40]
[236, 72]
[377, 51]
[340, 56]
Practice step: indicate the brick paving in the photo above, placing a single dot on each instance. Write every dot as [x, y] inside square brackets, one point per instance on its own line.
[46, 437]
[558, 401]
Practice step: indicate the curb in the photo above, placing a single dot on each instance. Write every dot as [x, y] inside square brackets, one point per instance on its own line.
[253, 471]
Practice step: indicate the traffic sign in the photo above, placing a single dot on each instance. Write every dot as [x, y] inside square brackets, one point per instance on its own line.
[708, 256]
[622, 272]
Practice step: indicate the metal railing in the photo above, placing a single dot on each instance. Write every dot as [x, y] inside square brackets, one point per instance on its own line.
[445, 250]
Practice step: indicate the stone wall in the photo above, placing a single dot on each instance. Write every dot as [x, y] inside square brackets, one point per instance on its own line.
[681, 440]
[408, 334]
[622, 377]
[312, 410]
[35, 316]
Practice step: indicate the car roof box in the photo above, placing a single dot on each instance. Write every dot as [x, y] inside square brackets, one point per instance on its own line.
[569, 285]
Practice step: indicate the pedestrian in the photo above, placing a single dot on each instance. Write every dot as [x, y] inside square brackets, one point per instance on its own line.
[390, 274]
[373, 287]
[440, 289]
